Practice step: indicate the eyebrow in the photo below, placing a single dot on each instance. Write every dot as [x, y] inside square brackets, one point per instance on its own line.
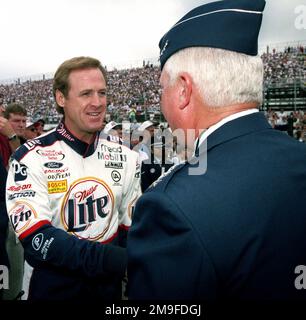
[91, 90]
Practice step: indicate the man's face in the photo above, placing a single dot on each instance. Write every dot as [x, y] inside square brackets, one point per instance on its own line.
[39, 128]
[85, 105]
[18, 122]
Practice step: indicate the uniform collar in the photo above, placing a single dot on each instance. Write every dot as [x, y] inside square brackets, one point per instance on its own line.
[232, 127]
[82, 148]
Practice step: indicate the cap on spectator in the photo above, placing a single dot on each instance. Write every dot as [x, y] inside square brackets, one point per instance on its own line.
[230, 24]
[112, 126]
[39, 122]
[29, 123]
[145, 125]
[42, 121]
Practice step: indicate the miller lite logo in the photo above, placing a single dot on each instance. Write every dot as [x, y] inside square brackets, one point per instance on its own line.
[87, 209]
[21, 216]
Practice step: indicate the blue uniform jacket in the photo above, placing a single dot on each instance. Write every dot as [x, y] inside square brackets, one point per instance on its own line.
[237, 231]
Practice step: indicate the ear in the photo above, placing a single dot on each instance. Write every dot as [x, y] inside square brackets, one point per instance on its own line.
[185, 89]
[60, 98]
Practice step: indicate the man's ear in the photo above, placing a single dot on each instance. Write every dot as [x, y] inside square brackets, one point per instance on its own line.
[60, 98]
[185, 89]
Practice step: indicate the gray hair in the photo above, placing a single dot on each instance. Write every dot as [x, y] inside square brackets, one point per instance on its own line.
[223, 77]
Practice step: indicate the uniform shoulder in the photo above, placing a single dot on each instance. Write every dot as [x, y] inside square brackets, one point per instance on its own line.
[28, 147]
[163, 182]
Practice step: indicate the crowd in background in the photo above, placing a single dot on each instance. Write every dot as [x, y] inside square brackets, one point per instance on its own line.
[136, 88]
[292, 122]
[288, 64]
[134, 94]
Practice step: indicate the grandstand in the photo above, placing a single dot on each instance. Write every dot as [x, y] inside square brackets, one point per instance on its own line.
[285, 78]
[138, 87]
[287, 95]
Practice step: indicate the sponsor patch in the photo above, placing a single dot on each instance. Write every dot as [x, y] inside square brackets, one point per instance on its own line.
[117, 149]
[87, 209]
[116, 176]
[112, 157]
[47, 171]
[20, 171]
[52, 155]
[62, 131]
[31, 144]
[21, 215]
[114, 165]
[19, 188]
[58, 176]
[37, 241]
[53, 165]
[57, 186]
[24, 194]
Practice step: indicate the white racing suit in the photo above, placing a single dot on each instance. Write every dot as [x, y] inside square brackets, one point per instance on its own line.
[70, 204]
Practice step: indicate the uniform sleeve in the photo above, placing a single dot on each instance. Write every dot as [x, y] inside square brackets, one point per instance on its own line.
[27, 196]
[44, 245]
[131, 194]
[166, 259]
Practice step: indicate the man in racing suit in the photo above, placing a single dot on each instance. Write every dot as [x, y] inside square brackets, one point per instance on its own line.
[70, 195]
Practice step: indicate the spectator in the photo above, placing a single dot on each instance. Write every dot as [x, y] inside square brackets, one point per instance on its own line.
[30, 131]
[157, 166]
[13, 124]
[39, 126]
[9, 141]
[3, 220]
[113, 129]
[16, 115]
[146, 130]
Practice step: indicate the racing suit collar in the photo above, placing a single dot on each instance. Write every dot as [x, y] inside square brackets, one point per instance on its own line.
[82, 148]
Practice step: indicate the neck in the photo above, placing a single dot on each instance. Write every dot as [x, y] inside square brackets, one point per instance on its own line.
[83, 136]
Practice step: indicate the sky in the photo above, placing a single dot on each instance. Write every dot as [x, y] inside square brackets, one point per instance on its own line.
[38, 35]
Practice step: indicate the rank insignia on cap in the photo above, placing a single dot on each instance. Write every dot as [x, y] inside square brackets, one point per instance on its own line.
[230, 25]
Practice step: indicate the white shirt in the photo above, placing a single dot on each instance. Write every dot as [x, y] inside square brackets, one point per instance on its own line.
[219, 124]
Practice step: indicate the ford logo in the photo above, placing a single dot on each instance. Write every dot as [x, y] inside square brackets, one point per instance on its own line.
[53, 165]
